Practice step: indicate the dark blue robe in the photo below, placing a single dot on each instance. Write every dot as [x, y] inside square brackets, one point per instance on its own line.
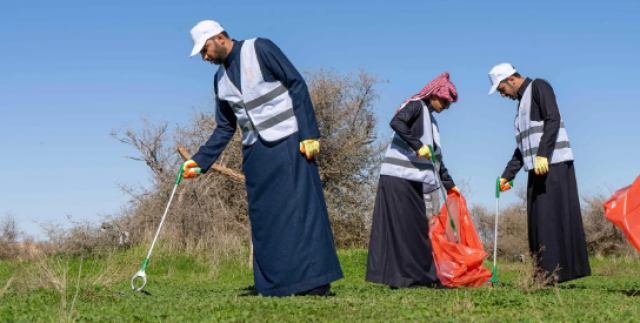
[293, 243]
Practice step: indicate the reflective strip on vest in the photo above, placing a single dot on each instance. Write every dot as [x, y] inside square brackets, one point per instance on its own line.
[228, 92]
[262, 108]
[401, 161]
[528, 135]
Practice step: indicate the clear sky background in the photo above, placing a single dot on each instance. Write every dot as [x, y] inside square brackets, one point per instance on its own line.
[71, 71]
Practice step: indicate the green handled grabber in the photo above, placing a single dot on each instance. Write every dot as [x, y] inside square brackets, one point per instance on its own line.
[142, 274]
[444, 194]
[494, 277]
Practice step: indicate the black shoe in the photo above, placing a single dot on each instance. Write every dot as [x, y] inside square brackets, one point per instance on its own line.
[318, 291]
[437, 285]
[252, 291]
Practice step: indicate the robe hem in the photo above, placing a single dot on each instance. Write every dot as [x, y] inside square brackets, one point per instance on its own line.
[398, 281]
[304, 286]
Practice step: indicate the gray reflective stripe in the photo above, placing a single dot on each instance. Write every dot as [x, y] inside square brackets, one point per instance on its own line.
[402, 144]
[264, 125]
[559, 145]
[237, 107]
[533, 130]
[407, 163]
[266, 98]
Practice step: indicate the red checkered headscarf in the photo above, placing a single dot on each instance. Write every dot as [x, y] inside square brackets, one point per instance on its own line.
[441, 87]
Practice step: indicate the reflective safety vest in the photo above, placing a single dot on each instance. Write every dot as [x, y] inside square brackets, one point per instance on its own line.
[529, 132]
[401, 161]
[262, 108]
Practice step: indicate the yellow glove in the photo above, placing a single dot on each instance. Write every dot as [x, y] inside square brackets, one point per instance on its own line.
[454, 190]
[310, 147]
[504, 185]
[186, 173]
[424, 152]
[542, 166]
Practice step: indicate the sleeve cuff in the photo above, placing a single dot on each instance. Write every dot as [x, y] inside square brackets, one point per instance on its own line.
[507, 175]
[308, 135]
[543, 153]
[415, 145]
[449, 185]
[202, 162]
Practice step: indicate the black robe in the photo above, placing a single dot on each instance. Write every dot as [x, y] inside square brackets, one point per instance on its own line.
[400, 252]
[554, 219]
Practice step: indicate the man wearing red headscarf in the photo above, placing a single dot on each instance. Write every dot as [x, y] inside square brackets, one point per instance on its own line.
[400, 252]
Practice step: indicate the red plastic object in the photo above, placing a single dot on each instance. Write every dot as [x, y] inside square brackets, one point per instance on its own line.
[623, 209]
[458, 264]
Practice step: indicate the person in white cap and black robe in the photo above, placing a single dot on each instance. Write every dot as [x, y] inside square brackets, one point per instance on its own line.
[556, 235]
[259, 90]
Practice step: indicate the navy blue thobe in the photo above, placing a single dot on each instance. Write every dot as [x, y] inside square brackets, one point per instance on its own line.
[293, 243]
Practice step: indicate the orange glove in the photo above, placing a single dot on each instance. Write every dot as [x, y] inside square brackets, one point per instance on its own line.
[186, 172]
[454, 190]
[310, 147]
[504, 185]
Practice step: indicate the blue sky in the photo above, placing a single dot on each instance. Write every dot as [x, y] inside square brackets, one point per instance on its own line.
[71, 71]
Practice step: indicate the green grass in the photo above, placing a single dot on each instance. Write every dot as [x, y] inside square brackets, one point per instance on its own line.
[186, 290]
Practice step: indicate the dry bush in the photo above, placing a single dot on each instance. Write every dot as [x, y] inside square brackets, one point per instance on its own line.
[512, 228]
[603, 237]
[532, 278]
[351, 155]
[8, 237]
[80, 239]
[15, 245]
[209, 214]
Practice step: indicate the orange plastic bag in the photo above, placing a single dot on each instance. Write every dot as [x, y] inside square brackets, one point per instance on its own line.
[458, 264]
[623, 209]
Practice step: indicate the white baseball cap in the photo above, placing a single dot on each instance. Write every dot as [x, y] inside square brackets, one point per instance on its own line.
[500, 73]
[202, 32]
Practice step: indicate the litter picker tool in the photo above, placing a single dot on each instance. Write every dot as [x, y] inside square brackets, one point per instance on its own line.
[444, 194]
[494, 277]
[142, 272]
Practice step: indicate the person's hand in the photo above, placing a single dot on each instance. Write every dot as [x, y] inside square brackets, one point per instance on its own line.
[454, 190]
[310, 147]
[542, 166]
[424, 152]
[186, 169]
[504, 185]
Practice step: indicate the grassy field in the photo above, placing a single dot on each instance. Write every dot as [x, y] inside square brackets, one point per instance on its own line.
[183, 289]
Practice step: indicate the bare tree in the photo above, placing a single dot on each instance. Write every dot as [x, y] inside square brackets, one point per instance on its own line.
[603, 237]
[351, 153]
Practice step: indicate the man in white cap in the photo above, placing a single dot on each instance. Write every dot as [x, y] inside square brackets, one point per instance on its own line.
[258, 89]
[556, 234]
